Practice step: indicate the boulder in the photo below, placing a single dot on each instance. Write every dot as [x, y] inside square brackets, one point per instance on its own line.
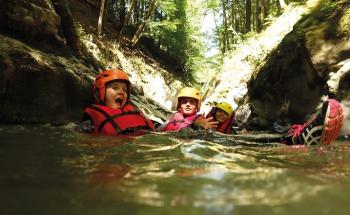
[41, 87]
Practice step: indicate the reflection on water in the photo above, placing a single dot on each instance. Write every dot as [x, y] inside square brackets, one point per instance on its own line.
[47, 170]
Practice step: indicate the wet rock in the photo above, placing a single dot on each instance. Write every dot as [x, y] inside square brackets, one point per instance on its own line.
[32, 18]
[328, 42]
[43, 81]
[41, 87]
[287, 86]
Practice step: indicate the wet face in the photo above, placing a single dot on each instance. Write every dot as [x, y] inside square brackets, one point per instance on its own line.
[221, 116]
[188, 106]
[116, 94]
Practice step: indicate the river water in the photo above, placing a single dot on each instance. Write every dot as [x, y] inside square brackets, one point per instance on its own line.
[57, 170]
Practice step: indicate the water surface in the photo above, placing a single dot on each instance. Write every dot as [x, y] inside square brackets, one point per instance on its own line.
[50, 170]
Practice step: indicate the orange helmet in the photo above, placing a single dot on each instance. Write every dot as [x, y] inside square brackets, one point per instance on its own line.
[107, 76]
[191, 93]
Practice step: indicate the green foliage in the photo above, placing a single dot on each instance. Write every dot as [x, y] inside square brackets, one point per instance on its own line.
[168, 27]
[212, 5]
[334, 27]
[296, 1]
[176, 26]
[176, 30]
[319, 14]
[167, 7]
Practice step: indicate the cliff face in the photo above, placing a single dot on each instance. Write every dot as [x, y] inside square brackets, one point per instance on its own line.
[286, 82]
[312, 61]
[41, 79]
[31, 19]
[46, 75]
[38, 86]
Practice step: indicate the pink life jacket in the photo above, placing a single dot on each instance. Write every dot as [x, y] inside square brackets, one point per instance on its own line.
[178, 121]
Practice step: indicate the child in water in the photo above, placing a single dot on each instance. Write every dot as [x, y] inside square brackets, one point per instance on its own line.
[188, 105]
[112, 113]
[223, 113]
[322, 128]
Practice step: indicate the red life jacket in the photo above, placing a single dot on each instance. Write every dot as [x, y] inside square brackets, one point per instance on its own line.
[118, 121]
[225, 127]
[178, 121]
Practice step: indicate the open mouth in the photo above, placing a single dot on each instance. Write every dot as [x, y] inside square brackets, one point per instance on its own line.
[119, 101]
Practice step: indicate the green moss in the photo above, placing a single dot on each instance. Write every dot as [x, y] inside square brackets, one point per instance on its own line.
[333, 15]
[343, 27]
[320, 14]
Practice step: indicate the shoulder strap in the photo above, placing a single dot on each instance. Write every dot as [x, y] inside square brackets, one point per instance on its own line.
[108, 119]
[136, 110]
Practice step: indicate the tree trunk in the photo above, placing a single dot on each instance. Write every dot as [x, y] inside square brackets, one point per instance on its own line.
[106, 14]
[121, 14]
[225, 41]
[265, 9]
[128, 15]
[241, 18]
[258, 16]
[68, 27]
[140, 29]
[233, 21]
[110, 11]
[137, 11]
[100, 17]
[233, 14]
[248, 14]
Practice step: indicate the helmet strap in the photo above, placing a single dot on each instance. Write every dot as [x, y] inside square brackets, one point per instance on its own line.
[97, 95]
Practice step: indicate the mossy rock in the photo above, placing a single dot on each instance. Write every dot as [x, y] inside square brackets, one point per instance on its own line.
[344, 24]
